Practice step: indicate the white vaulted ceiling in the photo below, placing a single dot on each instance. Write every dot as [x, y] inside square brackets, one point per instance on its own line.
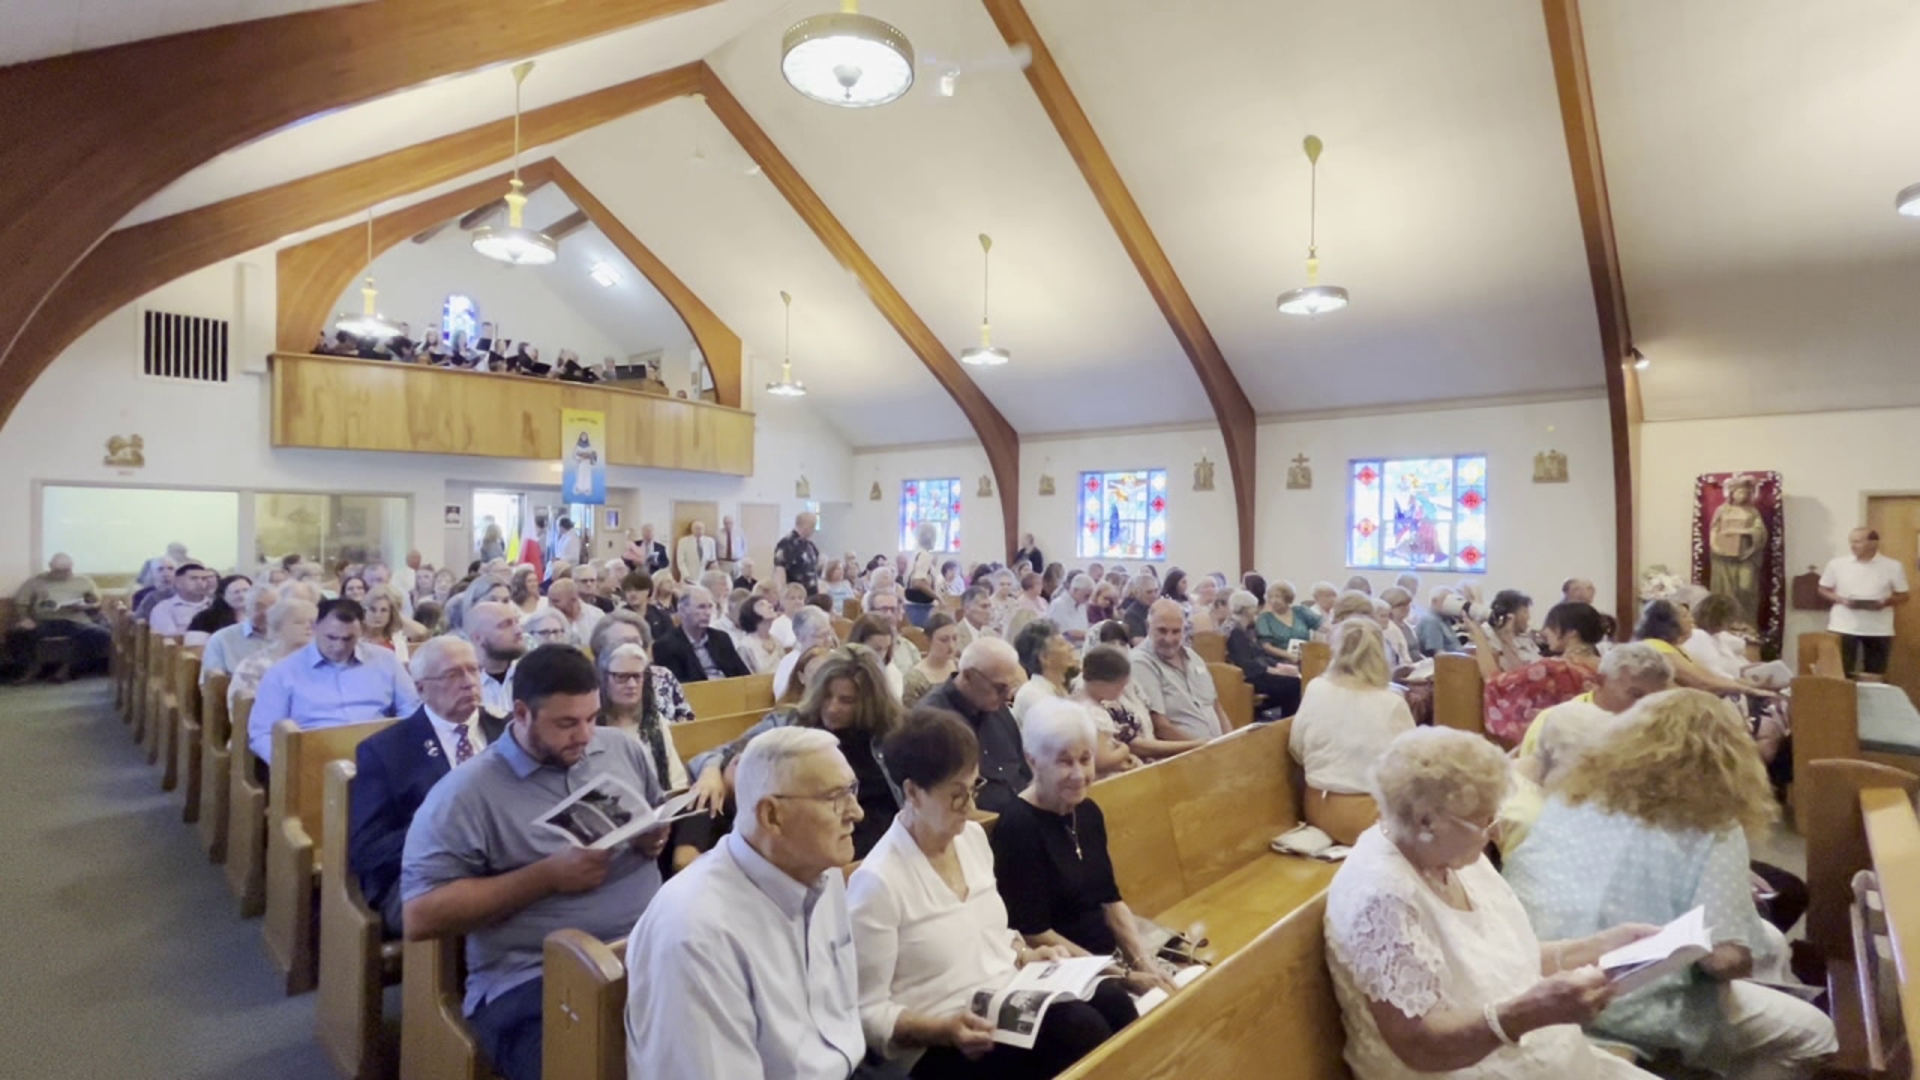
[1752, 151]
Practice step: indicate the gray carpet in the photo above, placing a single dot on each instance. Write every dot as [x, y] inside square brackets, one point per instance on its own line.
[120, 952]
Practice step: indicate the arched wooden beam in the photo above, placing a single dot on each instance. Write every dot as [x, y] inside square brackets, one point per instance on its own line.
[1568, 47]
[134, 261]
[91, 135]
[717, 341]
[427, 235]
[310, 277]
[1231, 408]
[567, 226]
[996, 435]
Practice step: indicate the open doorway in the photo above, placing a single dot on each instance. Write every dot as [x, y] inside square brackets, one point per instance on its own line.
[498, 517]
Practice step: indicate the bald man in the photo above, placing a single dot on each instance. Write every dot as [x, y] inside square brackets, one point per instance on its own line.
[1174, 680]
[494, 630]
[58, 604]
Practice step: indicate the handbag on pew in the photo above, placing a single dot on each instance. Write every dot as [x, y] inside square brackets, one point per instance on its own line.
[1170, 947]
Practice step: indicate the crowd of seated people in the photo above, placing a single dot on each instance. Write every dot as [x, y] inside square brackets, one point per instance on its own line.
[1624, 803]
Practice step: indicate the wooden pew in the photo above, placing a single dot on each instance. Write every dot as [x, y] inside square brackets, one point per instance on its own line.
[842, 627]
[151, 650]
[699, 736]
[1893, 838]
[246, 819]
[1315, 658]
[183, 760]
[725, 697]
[1267, 1010]
[435, 1041]
[915, 635]
[296, 827]
[853, 609]
[120, 660]
[138, 644]
[356, 962]
[584, 1014]
[1818, 653]
[1827, 813]
[1236, 694]
[1826, 724]
[162, 709]
[1459, 693]
[215, 768]
[1211, 645]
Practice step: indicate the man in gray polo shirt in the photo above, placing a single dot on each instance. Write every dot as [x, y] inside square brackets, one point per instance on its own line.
[477, 864]
[1174, 680]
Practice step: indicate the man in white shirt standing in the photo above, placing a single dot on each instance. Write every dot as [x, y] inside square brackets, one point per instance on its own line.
[1864, 588]
[743, 965]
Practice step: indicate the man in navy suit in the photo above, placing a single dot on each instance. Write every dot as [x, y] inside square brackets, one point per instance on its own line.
[396, 768]
[691, 651]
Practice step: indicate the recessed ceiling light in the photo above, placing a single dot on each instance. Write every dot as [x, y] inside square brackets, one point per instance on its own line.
[605, 274]
[1908, 201]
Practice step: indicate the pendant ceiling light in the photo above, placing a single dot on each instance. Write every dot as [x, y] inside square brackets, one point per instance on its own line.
[513, 242]
[369, 324]
[847, 59]
[1908, 201]
[985, 354]
[786, 387]
[1312, 298]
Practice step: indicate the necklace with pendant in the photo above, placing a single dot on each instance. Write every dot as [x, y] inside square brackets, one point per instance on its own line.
[1073, 831]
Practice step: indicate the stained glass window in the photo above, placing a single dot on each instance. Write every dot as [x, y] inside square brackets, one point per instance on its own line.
[459, 313]
[933, 503]
[1418, 514]
[1123, 515]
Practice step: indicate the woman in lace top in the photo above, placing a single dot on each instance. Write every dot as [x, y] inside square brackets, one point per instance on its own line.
[1433, 961]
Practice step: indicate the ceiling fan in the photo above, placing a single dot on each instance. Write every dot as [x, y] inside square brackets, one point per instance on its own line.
[947, 70]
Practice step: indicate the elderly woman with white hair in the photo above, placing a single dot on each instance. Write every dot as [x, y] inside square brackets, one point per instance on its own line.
[1347, 718]
[1278, 683]
[547, 627]
[1434, 963]
[628, 703]
[1068, 612]
[1050, 850]
[289, 627]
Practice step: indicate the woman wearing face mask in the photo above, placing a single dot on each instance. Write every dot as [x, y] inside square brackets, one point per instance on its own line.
[930, 930]
[1050, 851]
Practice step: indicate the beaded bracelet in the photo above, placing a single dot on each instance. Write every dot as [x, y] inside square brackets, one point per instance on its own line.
[1492, 1014]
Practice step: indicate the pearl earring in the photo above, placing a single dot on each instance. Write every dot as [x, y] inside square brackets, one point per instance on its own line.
[1425, 836]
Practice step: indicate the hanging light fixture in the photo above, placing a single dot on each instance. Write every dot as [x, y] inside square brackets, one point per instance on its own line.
[369, 324]
[1908, 201]
[985, 354]
[1312, 298]
[847, 59]
[513, 242]
[786, 387]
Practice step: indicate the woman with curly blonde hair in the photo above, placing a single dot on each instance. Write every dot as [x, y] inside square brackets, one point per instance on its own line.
[1646, 826]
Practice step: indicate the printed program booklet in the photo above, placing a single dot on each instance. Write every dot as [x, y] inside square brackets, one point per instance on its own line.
[607, 812]
[1017, 1008]
[1677, 946]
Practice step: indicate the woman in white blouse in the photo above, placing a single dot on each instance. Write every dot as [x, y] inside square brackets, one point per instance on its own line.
[1049, 660]
[758, 646]
[930, 929]
[1346, 718]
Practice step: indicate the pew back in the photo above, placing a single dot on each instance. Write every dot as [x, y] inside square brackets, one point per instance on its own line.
[1893, 837]
[1211, 645]
[215, 765]
[186, 756]
[1266, 1010]
[1459, 693]
[300, 759]
[1315, 658]
[1818, 653]
[699, 736]
[435, 1041]
[726, 697]
[347, 1009]
[1236, 695]
[1827, 813]
[584, 1011]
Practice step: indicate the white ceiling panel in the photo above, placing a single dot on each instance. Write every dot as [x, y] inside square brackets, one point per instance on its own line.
[1446, 202]
[1753, 151]
[918, 180]
[736, 243]
[36, 30]
[449, 105]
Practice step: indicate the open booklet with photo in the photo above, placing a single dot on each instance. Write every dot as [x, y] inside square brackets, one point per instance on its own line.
[1016, 1009]
[1679, 945]
[607, 812]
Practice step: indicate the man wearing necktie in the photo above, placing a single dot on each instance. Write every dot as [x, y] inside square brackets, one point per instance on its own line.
[396, 768]
[733, 546]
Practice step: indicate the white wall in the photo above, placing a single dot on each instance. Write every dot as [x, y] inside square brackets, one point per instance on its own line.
[875, 525]
[215, 436]
[415, 279]
[1828, 464]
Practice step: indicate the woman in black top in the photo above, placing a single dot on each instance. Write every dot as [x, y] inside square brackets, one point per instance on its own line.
[1050, 850]
[229, 600]
[1269, 678]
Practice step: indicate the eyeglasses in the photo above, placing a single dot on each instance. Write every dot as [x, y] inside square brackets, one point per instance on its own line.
[1486, 831]
[841, 799]
[1004, 689]
[968, 795]
[626, 678]
[550, 635]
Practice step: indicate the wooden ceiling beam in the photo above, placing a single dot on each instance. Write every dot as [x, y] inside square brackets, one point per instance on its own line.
[1567, 44]
[427, 235]
[997, 436]
[716, 340]
[479, 216]
[567, 226]
[89, 136]
[311, 276]
[134, 261]
[1231, 407]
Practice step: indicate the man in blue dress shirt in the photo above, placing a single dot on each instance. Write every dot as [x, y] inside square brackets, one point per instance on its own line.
[334, 679]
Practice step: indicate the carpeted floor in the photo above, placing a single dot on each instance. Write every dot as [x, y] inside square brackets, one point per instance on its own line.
[121, 956]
